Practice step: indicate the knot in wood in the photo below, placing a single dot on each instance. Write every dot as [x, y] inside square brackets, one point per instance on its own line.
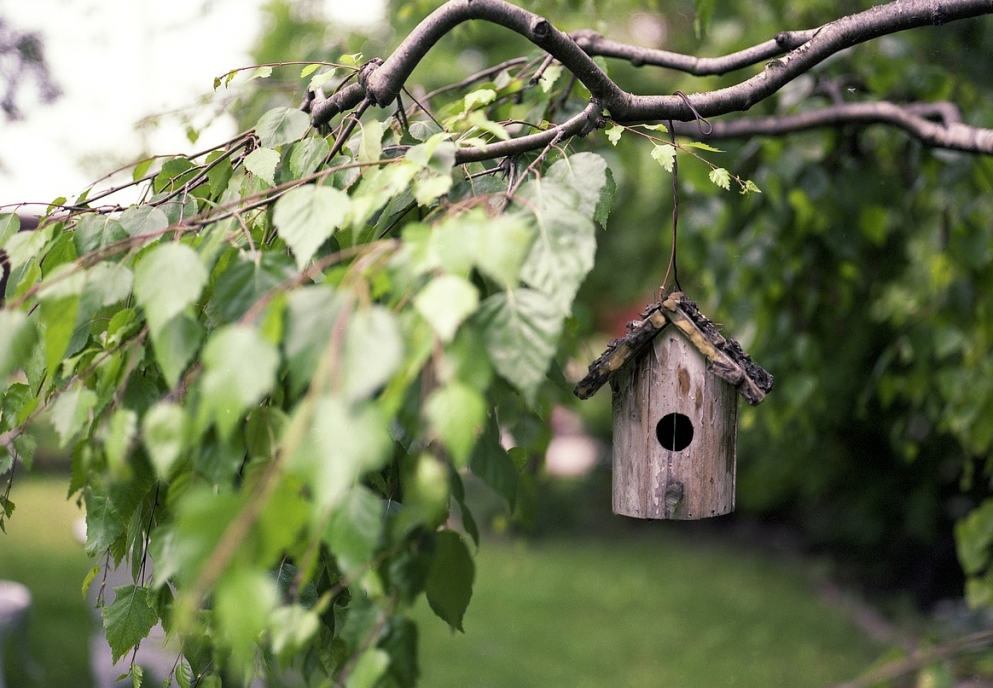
[673, 496]
[540, 29]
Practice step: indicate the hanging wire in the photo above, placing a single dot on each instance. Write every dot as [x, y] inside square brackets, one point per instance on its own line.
[706, 128]
[675, 220]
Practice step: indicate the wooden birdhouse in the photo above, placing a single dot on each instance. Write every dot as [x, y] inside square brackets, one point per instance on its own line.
[675, 382]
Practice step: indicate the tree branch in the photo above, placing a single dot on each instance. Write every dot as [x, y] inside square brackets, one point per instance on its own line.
[381, 82]
[917, 119]
[579, 125]
[595, 44]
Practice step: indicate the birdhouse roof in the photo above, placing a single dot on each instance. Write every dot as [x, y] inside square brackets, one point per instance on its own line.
[725, 357]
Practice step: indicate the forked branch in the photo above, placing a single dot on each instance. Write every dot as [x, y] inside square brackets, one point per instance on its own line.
[787, 56]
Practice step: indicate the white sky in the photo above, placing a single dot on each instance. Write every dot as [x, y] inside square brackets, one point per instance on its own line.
[116, 62]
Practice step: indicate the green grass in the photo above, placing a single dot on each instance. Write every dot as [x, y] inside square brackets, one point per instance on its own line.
[651, 610]
[659, 612]
[40, 551]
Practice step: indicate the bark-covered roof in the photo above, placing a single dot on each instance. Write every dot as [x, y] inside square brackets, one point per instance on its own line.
[725, 357]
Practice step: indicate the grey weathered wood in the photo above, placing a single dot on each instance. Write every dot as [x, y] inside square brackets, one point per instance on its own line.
[653, 482]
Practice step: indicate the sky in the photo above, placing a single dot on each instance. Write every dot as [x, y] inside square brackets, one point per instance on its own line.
[117, 62]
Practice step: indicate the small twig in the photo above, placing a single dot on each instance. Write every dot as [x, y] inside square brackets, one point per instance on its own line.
[423, 108]
[478, 76]
[921, 659]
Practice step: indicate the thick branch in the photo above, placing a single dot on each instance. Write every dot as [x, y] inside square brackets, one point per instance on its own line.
[916, 119]
[382, 82]
[385, 83]
[826, 41]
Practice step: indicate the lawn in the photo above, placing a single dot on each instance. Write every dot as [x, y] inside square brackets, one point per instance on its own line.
[657, 609]
[40, 551]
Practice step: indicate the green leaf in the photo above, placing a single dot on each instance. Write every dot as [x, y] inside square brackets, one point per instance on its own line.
[455, 414]
[309, 69]
[90, 577]
[445, 303]
[120, 431]
[24, 246]
[428, 189]
[163, 431]
[220, 172]
[564, 252]
[371, 146]
[373, 351]
[291, 629]
[704, 11]
[17, 339]
[426, 491]
[498, 246]
[702, 146]
[281, 125]
[721, 178]
[184, 674]
[521, 330]
[95, 231]
[613, 133]
[310, 316]
[318, 80]
[103, 522]
[167, 280]
[263, 72]
[142, 220]
[370, 667]
[176, 343]
[129, 619]
[974, 538]
[245, 280]
[377, 188]
[141, 168]
[606, 202]
[449, 583]
[492, 464]
[549, 77]
[750, 187]
[59, 318]
[478, 119]
[354, 530]
[307, 216]
[478, 98]
[239, 369]
[243, 601]
[262, 163]
[341, 442]
[71, 411]
[665, 154]
[308, 155]
[9, 226]
[111, 283]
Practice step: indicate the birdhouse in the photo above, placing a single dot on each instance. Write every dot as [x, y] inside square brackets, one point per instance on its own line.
[675, 382]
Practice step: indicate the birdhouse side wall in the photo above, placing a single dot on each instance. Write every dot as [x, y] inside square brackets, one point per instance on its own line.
[653, 482]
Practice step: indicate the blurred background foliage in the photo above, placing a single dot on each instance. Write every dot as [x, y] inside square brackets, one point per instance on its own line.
[859, 276]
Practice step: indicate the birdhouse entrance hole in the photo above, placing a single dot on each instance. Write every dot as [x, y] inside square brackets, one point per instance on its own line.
[674, 431]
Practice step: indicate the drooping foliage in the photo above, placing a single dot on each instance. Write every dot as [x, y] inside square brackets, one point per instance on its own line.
[276, 367]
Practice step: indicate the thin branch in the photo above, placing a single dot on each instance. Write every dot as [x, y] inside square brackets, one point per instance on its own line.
[916, 119]
[595, 44]
[920, 659]
[478, 76]
[579, 125]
